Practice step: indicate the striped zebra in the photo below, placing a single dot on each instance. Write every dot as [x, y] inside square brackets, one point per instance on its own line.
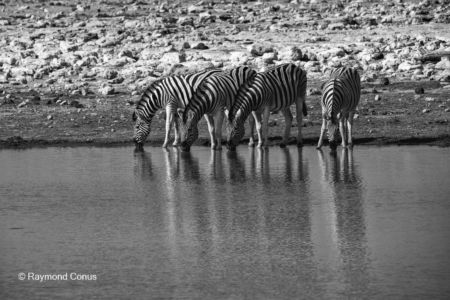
[215, 95]
[273, 90]
[340, 97]
[169, 93]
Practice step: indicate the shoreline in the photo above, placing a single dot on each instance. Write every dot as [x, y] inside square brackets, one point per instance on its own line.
[19, 143]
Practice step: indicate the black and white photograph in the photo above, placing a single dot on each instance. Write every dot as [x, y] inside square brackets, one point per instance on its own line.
[225, 149]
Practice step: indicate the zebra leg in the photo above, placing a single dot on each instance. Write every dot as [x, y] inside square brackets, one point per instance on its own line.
[349, 129]
[258, 121]
[342, 131]
[176, 127]
[322, 131]
[210, 121]
[169, 118]
[288, 122]
[219, 122]
[265, 126]
[299, 115]
[251, 122]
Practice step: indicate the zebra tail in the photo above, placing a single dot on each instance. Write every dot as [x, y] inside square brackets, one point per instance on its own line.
[133, 117]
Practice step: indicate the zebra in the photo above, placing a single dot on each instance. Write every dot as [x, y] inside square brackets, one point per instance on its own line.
[169, 93]
[340, 97]
[215, 95]
[273, 90]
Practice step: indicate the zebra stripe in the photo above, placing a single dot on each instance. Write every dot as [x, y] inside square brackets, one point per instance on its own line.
[214, 95]
[340, 97]
[169, 93]
[271, 91]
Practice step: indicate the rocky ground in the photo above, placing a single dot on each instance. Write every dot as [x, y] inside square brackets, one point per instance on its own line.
[70, 72]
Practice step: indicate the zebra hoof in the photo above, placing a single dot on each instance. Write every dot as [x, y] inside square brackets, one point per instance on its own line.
[282, 145]
[251, 144]
[299, 144]
[350, 146]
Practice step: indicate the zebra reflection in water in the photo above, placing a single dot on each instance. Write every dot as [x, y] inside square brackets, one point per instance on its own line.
[347, 207]
[212, 219]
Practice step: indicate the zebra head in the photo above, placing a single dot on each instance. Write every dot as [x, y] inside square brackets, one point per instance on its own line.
[332, 130]
[236, 131]
[189, 132]
[141, 131]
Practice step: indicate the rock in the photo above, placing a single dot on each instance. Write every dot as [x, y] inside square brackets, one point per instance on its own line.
[206, 17]
[35, 99]
[384, 81]
[290, 53]
[106, 90]
[259, 49]
[23, 103]
[334, 52]
[110, 74]
[377, 98]
[199, 46]
[76, 104]
[186, 21]
[377, 55]
[426, 110]
[268, 58]
[117, 80]
[444, 64]
[336, 26]
[67, 47]
[419, 90]
[190, 66]
[195, 9]
[239, 58]
[185, 45]
[314, 91]
[49, 117]
[173, 57]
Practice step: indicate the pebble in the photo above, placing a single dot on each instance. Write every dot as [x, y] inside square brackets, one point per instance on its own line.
[419, 90]
[106, 90]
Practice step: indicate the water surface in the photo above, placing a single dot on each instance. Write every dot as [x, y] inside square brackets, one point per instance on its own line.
[372, 223]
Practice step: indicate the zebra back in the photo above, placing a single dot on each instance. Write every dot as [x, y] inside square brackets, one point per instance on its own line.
[277, 87]
[175, 90]
[341, 92]
[218, 90]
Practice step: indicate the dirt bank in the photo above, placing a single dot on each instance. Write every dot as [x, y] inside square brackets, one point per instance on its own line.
[70, 75]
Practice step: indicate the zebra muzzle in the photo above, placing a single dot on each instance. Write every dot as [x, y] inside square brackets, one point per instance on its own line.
[185, 147]
[139, 146]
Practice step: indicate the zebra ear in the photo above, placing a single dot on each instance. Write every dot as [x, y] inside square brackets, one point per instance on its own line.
[133, 117]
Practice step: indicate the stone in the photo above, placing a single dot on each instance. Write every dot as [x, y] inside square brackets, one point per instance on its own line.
[384, 81]
[106, 90]
[173, 57]
[259, 49]
[238, 58]
[336, 26]
[419, 90]
[110, 74]
[377, 98]
[23, 103]
[290, 53]
[199, 46]
[444, 64]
